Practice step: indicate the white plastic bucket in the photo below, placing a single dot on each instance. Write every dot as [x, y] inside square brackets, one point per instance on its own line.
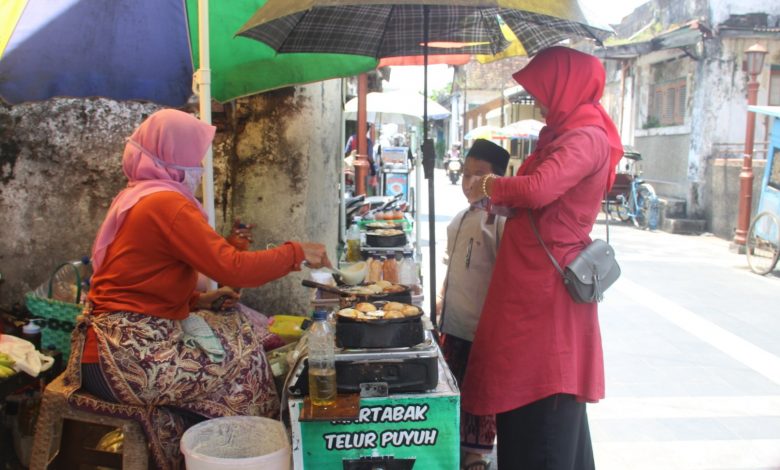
[236, 442]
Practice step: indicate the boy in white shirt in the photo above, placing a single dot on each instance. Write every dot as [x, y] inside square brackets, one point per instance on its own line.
[473, 237]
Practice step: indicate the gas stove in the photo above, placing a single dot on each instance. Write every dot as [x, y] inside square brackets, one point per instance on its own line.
[412, 369]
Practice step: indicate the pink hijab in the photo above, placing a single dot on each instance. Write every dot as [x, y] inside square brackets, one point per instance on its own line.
[155, 159]
[570, 84]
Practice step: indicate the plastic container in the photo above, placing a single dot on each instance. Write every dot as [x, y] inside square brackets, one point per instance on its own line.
[322, 360]
[654, 213]
[32, 333]
[407, 271]
[353, 244]
[236, 443]
[288, 327]
[354, 273]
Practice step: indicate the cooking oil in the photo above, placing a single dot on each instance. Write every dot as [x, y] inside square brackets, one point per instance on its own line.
[322, 387]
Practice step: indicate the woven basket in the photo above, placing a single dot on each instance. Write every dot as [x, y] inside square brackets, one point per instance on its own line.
[56, 318]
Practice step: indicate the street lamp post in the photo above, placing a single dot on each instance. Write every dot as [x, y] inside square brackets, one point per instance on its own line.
[755, 62]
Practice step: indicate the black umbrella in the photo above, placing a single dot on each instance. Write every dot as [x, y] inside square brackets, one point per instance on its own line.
[406, 28]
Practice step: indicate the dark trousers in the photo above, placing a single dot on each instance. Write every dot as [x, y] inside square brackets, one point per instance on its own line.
[549, 434]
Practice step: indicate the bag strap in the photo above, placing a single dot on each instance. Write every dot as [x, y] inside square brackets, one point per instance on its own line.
[544, 245]
[541, 242]
[606, 213]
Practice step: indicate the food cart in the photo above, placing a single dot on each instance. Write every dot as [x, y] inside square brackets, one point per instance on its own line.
[395, 172]
[399, 431]
[763, 240]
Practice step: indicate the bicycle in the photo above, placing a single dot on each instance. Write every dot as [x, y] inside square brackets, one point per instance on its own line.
[762, 246]
[631, 198]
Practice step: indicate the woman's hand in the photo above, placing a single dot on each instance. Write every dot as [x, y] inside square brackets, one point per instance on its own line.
[315, 255]
[223, 298]
[474, 186]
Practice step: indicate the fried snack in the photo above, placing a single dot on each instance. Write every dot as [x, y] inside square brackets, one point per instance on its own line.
[375, 314]
[394, 306]
[349, 313]
[383, 284]
[410, 311]
[375, 288]
[393, 314]
[365, 307]
[393, 288]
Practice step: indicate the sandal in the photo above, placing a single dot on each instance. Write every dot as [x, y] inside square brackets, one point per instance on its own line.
[481, 464]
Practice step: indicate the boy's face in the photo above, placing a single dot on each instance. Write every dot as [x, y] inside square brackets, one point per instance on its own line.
[473, 171]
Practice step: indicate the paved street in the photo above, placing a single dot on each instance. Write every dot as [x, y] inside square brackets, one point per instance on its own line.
[692, 353]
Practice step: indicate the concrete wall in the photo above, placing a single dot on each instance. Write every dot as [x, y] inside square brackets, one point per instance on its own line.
[275, 165]
[721, 9]
[723, 192]
[60, 171]
[664, 162]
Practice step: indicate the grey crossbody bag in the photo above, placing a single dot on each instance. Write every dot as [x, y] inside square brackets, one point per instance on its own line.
[590, 273]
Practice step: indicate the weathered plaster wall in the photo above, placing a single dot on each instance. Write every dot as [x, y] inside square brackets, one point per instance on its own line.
[721, 9]
[284, 177]
[60, 168]
[60, 171]
[664, 163]
[723, 192]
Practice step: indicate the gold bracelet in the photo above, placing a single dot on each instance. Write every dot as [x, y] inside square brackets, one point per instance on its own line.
[484, 184]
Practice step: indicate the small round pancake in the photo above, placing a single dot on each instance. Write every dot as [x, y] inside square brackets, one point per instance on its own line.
[365, 307]
[349, 312]
[394, 306]
[410, 311]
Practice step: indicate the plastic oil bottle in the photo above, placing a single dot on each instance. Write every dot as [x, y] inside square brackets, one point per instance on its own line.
[322, 360]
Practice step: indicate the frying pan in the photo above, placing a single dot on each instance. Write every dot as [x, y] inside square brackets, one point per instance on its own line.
[385, 241]
[353, 333]
[404, 296]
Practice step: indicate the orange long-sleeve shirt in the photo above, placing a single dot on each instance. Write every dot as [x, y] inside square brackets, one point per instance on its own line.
[151, 266]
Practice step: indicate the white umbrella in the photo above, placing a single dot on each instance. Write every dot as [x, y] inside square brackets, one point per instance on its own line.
[523, 129]
[396, 102]
[484, 132]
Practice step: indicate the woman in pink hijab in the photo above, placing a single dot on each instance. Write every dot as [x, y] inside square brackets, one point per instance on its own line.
[148, 337]
[537, 358]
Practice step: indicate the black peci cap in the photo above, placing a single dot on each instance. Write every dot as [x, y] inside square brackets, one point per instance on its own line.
[487, 151]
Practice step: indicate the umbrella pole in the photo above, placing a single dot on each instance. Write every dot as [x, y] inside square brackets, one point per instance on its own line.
[203, 78]
[431, 198]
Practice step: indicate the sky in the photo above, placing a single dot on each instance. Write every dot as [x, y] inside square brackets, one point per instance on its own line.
[411, 78]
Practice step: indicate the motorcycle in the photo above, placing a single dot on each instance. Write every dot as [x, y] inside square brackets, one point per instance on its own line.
[454, 168]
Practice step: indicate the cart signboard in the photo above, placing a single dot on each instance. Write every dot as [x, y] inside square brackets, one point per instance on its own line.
[396, 183]
[398, 432]
[394, 157]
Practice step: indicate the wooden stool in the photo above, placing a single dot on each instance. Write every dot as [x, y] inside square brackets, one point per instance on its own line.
[55, 409]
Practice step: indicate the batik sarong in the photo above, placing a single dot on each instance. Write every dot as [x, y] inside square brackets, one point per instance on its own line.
[146, 364]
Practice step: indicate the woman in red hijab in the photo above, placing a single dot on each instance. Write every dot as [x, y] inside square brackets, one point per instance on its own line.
[537, 358]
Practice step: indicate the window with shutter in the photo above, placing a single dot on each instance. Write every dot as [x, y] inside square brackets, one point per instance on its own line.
[679, 112]
[668, 103]
[668, 119]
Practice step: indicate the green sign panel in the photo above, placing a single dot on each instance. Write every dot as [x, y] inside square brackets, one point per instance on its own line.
[390, 433]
